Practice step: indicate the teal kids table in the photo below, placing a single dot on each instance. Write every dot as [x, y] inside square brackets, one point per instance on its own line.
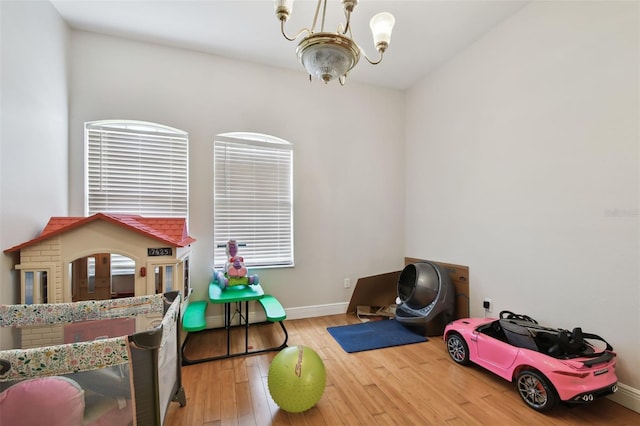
[235, 295]
[238, 296]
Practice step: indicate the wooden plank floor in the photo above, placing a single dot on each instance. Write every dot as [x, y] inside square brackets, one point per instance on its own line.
[406, 385]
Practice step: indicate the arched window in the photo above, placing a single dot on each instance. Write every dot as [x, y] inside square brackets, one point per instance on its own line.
[136, 167]
[253, 198]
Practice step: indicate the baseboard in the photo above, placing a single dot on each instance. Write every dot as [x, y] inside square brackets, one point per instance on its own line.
[316, 310]
[215, 321]
[627, 396]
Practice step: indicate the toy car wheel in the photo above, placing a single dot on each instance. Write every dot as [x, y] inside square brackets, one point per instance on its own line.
[536, 391]
[458, 349]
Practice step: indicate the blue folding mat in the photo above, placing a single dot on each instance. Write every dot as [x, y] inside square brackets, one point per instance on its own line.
[374, 335]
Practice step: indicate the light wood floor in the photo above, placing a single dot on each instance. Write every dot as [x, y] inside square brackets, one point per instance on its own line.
[406, 385]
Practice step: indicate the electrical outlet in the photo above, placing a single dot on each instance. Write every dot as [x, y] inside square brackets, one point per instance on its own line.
[347, 282]
[486, 304]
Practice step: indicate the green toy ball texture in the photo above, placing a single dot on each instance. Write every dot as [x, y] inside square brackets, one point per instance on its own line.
[297, 378]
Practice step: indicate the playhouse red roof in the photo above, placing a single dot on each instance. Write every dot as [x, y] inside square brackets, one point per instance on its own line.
[170, 230]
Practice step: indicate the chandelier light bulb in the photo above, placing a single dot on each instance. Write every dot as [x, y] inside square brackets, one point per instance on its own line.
[381, 26]
[283, 9]
[349, 5]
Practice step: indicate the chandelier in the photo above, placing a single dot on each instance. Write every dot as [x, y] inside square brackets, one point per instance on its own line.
[331, 55]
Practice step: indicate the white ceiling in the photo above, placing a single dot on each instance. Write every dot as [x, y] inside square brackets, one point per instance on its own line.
[427, 32]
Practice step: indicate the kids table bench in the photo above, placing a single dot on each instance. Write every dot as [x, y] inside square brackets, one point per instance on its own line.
[194, 319]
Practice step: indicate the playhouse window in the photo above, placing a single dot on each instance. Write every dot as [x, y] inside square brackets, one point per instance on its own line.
[168, 282]
[35, 287]
[253, 198]
[186, 282]
[164, 278]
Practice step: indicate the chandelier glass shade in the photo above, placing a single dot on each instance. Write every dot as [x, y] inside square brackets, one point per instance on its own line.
[331, 55]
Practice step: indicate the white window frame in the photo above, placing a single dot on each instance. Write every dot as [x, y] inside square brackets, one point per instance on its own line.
[253, 198]
[36, 293]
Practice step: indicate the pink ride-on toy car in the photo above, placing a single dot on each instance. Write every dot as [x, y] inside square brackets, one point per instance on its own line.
[548, 365]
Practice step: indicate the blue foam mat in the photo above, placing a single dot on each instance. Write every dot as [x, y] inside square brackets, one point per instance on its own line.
[374, 335]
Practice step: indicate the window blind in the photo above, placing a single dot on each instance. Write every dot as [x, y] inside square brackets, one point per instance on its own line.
[253, 198]
[137, 168]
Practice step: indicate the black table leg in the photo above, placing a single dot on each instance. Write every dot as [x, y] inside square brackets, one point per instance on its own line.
[227, 323]
[246, 328]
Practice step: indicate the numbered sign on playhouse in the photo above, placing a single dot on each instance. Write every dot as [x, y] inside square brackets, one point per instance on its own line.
[162, 251]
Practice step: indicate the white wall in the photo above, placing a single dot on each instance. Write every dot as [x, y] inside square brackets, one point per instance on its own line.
[33, 121]
[521, 157]
[522, 163]
[348, 152]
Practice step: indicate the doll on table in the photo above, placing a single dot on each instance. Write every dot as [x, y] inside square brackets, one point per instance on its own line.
[235, 273]
[234, 267]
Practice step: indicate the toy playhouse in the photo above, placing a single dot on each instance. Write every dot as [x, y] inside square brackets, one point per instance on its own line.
[104, 256]
[100, 302]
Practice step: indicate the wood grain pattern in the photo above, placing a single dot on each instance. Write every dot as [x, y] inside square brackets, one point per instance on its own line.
[405, 385]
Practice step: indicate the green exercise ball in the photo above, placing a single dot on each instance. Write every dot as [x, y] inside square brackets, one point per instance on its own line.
[296, 378]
